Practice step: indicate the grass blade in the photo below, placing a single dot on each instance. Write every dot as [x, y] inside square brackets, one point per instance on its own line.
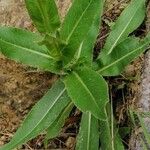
[144, 128]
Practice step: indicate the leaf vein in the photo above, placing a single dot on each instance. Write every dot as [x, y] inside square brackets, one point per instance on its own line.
[28, 50]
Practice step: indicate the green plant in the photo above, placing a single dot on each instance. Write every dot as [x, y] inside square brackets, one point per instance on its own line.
[66, 49]
[139, 120]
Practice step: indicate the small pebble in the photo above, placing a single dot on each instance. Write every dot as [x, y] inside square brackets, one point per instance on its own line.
[70, 142]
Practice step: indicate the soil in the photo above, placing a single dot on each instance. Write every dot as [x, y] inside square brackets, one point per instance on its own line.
[21, 87]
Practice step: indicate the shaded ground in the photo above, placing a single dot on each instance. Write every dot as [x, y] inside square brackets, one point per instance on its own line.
[21, 86]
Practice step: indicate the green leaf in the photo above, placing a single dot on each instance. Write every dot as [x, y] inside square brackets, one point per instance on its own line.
[89, 41]
[88, 137]
[77, 24]
[114, 63]
[44, 14]
[107, 140]
[88, 90]
[145, 128]
[142, 121]
[42, 115]
[124, 131]
[129, 20]
[53, 45]
[56, 127]
[144, 144]
[132, 117]
[109, 136]
[22, 46]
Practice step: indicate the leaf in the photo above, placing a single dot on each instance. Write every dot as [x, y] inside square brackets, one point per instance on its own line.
[53, 45]
[22, 46]
[128, 21]
[56, 127]
[132, 117]
[89, 41]
[77, 25]
[114, 63]
[88, 90]
[145, 128]
[124, 131]
[42, 115]
[109, 136]
[142, 121]
[76, 59]
[88, 137]
[44, 14]
[144, 145]
[106, 139]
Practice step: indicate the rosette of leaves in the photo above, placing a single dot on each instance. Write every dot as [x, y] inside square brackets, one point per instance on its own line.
[66, 49]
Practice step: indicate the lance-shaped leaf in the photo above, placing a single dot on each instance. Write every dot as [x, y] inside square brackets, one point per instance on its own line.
[22, 46]
[88, 138]
[89, 41]
[129, 20]
[44, 14]
[42, 115]
[123, 54]
[107, 140]
[56, 127]
[109, 136]
[88, 90]
[77, 25]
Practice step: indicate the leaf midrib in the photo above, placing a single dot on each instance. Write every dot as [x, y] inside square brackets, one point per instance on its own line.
[123, 31]
[115, 62]
[86, 88]
[57, 98]
[28, 50]
[89, 131]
